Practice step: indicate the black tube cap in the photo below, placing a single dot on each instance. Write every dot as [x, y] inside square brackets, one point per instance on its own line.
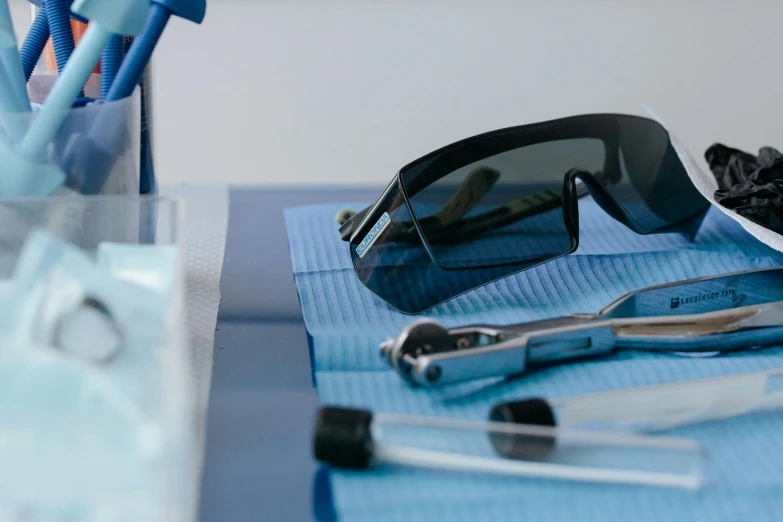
[518, 446]
[342, 437]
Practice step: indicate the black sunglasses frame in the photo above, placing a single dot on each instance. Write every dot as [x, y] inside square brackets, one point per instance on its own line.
[428, 169]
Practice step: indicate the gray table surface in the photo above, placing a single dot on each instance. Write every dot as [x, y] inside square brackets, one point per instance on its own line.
[258, 463]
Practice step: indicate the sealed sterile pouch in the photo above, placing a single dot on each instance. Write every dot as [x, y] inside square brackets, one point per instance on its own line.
[96, 398]
[706, 184]
[58, 289]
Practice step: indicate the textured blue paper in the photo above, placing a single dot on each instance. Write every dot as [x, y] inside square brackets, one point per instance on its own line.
[346, 322]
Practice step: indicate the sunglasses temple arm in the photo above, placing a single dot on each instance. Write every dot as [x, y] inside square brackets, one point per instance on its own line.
[470, 192]
[447, 223]
[504, 215]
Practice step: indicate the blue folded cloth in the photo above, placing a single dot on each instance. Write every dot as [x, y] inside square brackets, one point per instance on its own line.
[346, 322]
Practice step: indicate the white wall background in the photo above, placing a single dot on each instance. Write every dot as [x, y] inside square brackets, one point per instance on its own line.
[20, 14]
[347, 91]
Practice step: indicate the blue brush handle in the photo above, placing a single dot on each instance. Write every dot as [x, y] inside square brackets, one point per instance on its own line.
[111, 60]
[34, 43]
[128, 77]
[139, 54]
[59, 14]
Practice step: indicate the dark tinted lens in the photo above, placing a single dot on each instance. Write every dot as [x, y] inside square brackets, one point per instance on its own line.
[647, 179]
[470, 219]
[504, 208]
[390, 259]
[492, 205]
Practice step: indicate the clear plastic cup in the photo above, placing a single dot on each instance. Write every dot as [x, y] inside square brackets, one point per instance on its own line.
[97, 146]
[99, 442]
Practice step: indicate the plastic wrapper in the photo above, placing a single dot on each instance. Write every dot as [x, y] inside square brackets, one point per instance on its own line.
[90, 431]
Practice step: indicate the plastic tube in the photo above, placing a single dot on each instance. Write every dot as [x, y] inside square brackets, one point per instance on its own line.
[358, 439]
[654, 408]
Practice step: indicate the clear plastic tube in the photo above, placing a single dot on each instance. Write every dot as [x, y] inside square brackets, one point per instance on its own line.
[536, 451]
[659, 407]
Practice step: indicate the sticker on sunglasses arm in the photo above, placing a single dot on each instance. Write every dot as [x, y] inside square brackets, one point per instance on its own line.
[375, 232]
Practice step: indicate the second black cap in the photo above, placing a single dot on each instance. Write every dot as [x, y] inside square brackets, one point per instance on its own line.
[520, 446]
[342, 437]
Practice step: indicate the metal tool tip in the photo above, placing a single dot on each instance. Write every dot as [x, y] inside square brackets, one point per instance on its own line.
[386, 347]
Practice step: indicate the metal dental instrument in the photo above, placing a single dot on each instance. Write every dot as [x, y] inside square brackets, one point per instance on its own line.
[720, 313]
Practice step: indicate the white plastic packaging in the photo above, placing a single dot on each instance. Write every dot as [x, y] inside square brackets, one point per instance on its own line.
[87, 441]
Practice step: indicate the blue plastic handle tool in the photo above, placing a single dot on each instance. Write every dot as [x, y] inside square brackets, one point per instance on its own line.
[59, 15]
[111, 60]
[35, 42]
[38, 35]
[141, 50]
[24, 170]
[10, 60]
[124, 17]
[132, 70]
[128, 77]
[40, 4]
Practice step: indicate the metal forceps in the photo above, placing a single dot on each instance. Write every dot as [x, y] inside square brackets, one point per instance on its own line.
[719, 313]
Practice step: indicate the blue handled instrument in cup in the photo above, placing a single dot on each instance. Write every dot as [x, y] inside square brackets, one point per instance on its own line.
[140, 52]
[127, 78]
[53, 19]
[25, 168]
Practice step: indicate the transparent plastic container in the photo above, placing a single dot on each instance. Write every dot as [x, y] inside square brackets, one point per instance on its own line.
[666, 406]
[97, 146]
[114, 441]
[537, 451]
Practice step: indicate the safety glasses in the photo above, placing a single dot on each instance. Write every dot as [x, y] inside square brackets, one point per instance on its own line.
[502, 202]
